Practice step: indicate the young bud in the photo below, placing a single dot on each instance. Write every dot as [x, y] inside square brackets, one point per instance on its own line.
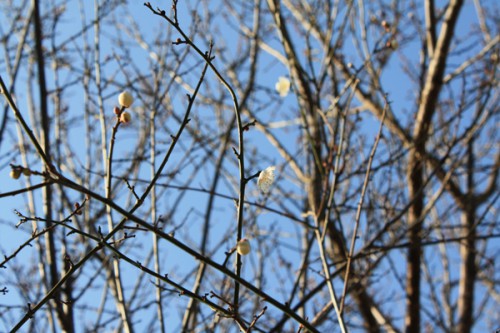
[116, 110]
[125, 99]
[243, 247]
[15, 173]
[386, 25]
[125, 117]
[26, 172]
[78, 210]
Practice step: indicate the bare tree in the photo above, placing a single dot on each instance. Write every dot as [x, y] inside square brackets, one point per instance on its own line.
[269, 166]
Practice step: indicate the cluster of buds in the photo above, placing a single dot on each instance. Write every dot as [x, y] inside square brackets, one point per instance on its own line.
[16, 172]
[125, 99]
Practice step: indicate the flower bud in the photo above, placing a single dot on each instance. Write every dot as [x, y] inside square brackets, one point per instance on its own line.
[26, 172]
[243, 247]
[116, 110]
[15, 173]
[125, 99]
[125, 117]
[386, 25]
[78, 210]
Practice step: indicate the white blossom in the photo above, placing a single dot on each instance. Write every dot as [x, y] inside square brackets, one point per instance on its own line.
[266, 179]
[283, 86]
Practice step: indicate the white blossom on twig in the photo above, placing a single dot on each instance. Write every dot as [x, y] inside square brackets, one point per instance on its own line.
[266, 179]
[283, 86]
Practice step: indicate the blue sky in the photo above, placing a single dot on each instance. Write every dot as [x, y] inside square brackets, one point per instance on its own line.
[189, 216]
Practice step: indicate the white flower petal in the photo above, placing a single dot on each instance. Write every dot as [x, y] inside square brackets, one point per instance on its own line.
[266, 179]
[283, 86]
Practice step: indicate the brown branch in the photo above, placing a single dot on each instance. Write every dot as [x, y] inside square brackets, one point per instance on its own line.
[430, 27]
[437, 66]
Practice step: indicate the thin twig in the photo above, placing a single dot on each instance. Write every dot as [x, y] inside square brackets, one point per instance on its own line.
[360, 205]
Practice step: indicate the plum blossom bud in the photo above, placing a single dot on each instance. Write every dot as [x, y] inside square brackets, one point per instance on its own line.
[283, 86]
[266, 179]
[386, 25]
[125, 99]
[125, 117]
[15, 173]
[243, 247]
[78, 210]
